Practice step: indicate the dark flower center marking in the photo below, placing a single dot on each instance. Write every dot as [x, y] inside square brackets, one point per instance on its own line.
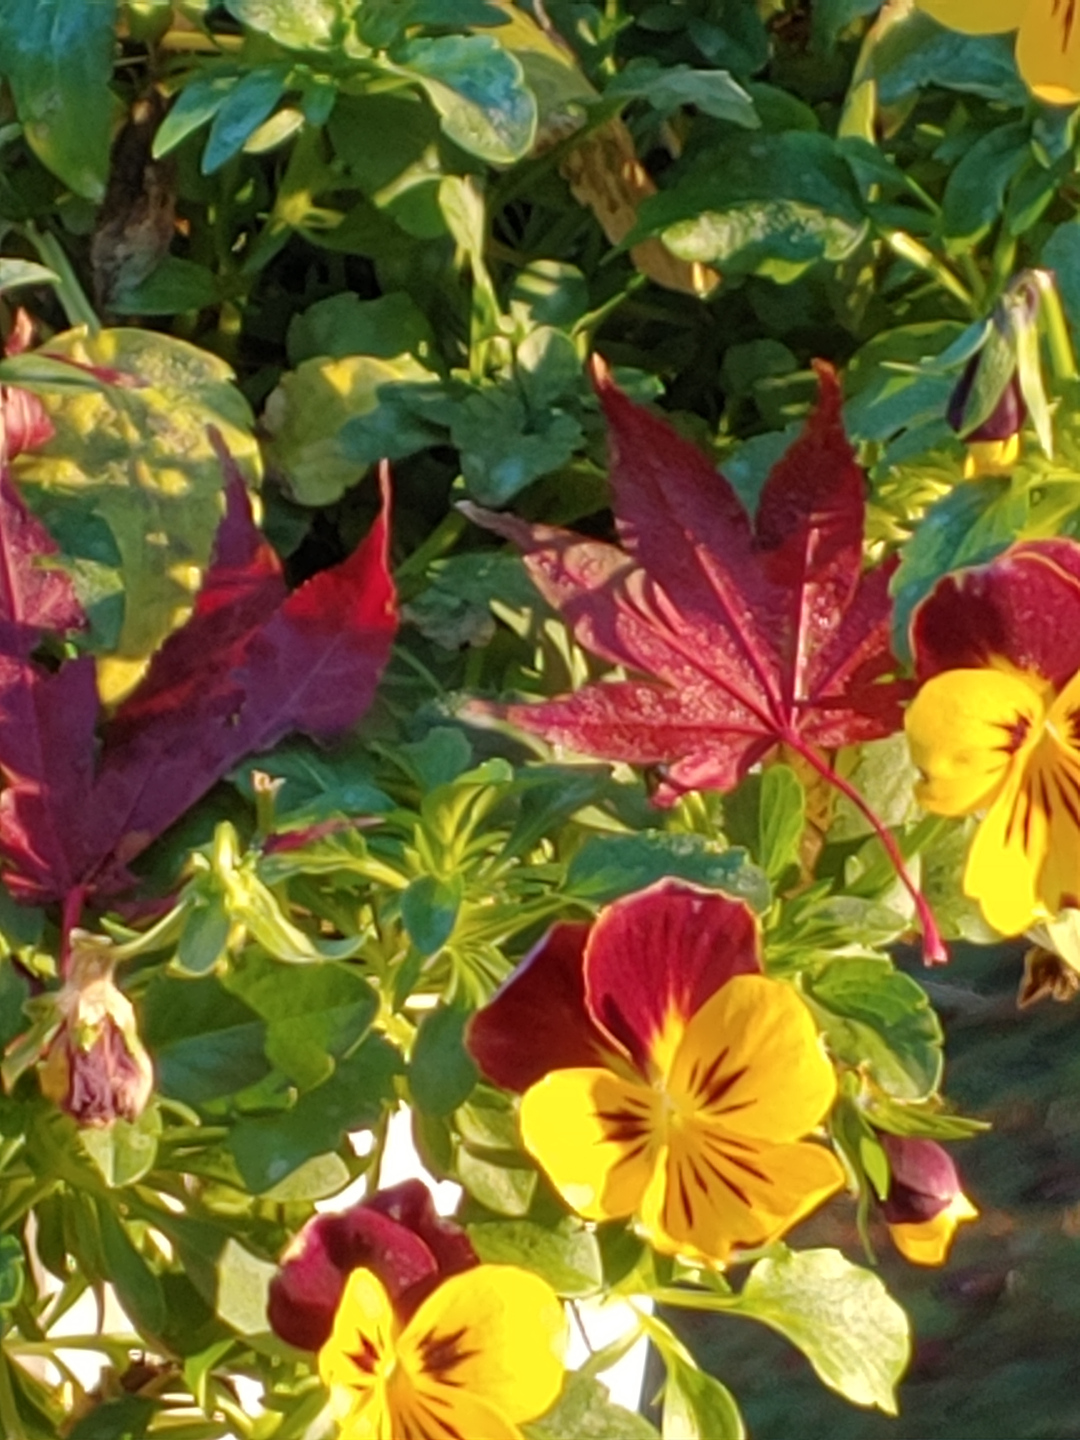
[1016, 731]
[366, 1359]
[439, 1354]
[1067, 12]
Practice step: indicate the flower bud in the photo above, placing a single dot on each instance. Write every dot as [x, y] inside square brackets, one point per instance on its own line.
[95, 1067]
[925, 1203]
[396, 1234]
[994, 444]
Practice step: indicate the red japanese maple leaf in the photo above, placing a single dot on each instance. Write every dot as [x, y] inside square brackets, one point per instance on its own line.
[751, 635]
[251, 664]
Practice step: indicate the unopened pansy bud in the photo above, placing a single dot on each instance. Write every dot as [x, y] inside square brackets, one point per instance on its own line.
[96, 1067]
[396, 1234]
[993, 446]
[925, 1203]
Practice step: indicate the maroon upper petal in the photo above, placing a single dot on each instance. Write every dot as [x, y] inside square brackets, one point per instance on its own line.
[537, 1022]
[1023, 608]
[397, 1235]
[662, 953]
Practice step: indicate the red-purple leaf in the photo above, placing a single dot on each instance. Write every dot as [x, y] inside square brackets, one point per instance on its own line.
[34, 594]
[242, 673]
[749, 637]
[47, 758]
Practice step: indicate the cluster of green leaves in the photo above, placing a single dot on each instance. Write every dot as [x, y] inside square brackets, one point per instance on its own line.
[395, 229]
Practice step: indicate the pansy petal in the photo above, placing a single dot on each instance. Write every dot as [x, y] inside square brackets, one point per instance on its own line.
[1007, 857]
[1048, 51]
[596, 1136]
[305, 1294]
[655, 958]
[712, 1194]
[976, 17]
[360, 1349]
[497, 1332]
[927, 1242]
[966, 729]
[751, 1061]
[1022, 609]
[442, 1413]
[537, 1021]
[411, 1206]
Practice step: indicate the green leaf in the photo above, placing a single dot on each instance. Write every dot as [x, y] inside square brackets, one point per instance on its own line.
[193, 107]
[506, 445]
[346, 325]
[57, 56]
[584, 1411]
[172, 287]
[566, 1256]
[137, 1287]
[697, 1406]
[317, 783]
[839, 1315]
[269, 1149]
[205, 1042]
[877, 1017]
[975, 194]
[125, 1150]
[441, 1071]
[767, 204]
[14, 273]
[503, 1189]
[12, 1271]
[608, 866]
[125, 1419]
[296, 24]
[1061, 253]
[479, 91]
[667, 87]
[138, 459]
[330, 420]
[243, 110]
[429, 911]
[14, 992]
[243, 1287]
[782, 812]
[205, 934]
[921, 53]
[316, 1013]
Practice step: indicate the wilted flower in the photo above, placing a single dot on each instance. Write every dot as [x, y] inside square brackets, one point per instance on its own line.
[925, 1203]
[96, 1067]
[995, 727]
[664, 1076]
[1047, 43]
[415, 1337]
[396, 1234]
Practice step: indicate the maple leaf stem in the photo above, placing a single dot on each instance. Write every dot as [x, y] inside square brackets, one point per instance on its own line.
[935, 951]
[74, 901]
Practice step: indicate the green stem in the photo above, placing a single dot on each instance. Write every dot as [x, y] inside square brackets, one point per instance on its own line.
[1062, 355]
[69, 292]
[443, 538]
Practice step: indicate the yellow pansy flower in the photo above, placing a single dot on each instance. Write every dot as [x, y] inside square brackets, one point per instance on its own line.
[683, 1083]
[995, 727]
[1047, 41]
[481, 1356]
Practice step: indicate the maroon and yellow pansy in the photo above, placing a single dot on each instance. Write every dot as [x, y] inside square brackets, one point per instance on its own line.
[925, 1202]
[416, 1339]
[664, 1076]
[995, 727]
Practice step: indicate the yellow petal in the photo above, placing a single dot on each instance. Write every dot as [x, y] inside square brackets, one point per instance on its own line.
[1048, 51]
[713, 1193]
[358, 1356]
[976, 17]
[927, 1242]
[596, 1135]
[964, 729]
[991, 457]
[1007, 857]
[495, 1332]
[751, 1061]
[442, 1414]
